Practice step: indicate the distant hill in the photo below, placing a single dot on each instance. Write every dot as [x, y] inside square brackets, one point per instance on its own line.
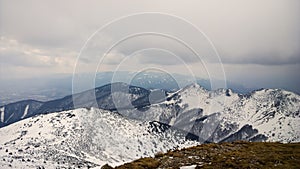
[56, 86]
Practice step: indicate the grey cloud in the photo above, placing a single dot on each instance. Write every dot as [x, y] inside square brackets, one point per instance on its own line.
[267, 59]
[233, 26]
[152, 49]
[113, 58]
[17, 58]
[161, 57]
[15, 53]
[56, 23]
[245, 33]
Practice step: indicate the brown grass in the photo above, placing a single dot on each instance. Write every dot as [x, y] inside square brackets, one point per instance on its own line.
[226, 155]
[147, 163]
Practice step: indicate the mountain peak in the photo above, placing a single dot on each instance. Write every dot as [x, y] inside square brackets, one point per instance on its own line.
[194, 87]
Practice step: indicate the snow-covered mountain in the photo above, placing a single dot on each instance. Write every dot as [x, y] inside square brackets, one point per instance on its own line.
[222, 115]
[140, 124]
[84, 138]
[135, 97]
[213, 116]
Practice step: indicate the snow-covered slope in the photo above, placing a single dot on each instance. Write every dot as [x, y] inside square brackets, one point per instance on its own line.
[93, 137]
[275, 113]
[222, 115]
[83, 138]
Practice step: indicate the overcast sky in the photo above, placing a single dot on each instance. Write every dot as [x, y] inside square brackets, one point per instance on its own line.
[258, 41]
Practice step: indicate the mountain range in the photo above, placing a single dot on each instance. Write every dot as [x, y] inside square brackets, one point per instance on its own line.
[59, 85]
[117, 123]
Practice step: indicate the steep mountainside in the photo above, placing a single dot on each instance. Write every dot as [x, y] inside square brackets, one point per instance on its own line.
[221, 115]
[17, 111]
[136, 96]
[84, 138]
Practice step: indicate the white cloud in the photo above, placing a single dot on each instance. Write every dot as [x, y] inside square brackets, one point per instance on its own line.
[113, 58]
[17, 58]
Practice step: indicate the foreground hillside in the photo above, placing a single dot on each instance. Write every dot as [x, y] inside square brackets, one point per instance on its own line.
[84, 138]
[225, 155]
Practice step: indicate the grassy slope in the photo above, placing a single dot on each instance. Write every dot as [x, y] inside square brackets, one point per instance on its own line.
[226, 155]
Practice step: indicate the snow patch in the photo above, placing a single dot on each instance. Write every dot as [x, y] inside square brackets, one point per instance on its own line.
[25, 111]
[2, 110]
[188, 167]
